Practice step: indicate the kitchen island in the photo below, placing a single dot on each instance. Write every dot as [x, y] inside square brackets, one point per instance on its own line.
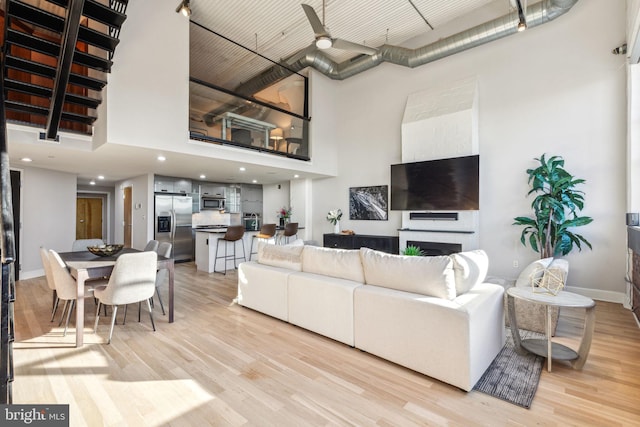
[206, 241]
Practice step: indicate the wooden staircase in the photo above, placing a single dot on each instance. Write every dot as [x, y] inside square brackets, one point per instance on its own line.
[56, 56]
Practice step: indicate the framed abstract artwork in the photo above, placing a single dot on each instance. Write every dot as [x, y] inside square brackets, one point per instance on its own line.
[369, 203]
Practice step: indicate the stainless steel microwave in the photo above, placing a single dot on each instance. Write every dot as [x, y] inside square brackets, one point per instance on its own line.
[212, 203]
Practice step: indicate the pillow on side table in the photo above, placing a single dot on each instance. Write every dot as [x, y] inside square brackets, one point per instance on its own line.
[531, 316]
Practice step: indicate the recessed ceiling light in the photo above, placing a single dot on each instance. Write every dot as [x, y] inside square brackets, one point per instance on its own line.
[161, 158]
[242, 169]
[26, 159]
[92, 182]
[255, 181]
[202, 176]
[100, 177]
[296, 176]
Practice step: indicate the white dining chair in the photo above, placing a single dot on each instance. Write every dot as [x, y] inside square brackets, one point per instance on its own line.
[164, 249]
[66, 286]
[46, 264]
[81, 244]
[152, 245]
[132, 280]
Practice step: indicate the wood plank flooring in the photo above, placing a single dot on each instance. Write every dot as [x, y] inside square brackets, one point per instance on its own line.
[221, 364]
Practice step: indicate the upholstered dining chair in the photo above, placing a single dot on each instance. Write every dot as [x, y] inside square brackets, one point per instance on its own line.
[66, 286]
[233, 234]
[267, 232]
[132, 280]
[164, 249]
[81, 244]
[152, 245]
[46, 264]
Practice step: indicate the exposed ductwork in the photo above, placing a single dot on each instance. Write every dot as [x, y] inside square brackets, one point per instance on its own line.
[536, 14]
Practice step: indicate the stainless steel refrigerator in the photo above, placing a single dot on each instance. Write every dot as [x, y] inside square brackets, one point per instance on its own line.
[173, 224]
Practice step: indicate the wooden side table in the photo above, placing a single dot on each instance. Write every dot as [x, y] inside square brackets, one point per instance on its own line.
[545, 347]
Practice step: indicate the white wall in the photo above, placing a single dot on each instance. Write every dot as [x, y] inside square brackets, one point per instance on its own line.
[148, 88]
[555, 88]
[48, 216]
[274, 197]
[141, 217]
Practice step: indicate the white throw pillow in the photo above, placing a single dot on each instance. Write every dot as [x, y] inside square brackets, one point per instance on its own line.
[280, 256]
[533, 271]
[431, 276]
[340, 263]
[469, 269]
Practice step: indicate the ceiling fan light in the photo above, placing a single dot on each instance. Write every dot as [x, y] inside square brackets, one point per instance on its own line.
[323, 42]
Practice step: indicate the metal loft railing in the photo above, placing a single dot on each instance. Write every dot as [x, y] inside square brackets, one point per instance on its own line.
[7, 254]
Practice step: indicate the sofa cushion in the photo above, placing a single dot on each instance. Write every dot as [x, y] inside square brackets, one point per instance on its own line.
[533, 272]
[339, 263]
[431, 276]
[469, 269]
[280, 256]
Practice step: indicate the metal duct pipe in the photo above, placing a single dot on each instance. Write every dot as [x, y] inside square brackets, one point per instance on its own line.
[537, 14]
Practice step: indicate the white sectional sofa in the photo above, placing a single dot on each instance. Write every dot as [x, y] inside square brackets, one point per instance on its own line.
[434, 315]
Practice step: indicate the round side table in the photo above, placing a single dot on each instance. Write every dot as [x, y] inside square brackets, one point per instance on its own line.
[545, 347]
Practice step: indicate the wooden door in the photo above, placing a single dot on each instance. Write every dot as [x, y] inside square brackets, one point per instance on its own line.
[88, 218]
[127, 217]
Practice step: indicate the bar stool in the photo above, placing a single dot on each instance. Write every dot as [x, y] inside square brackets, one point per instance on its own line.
[290, 229]
[233, 234]
[267, 231]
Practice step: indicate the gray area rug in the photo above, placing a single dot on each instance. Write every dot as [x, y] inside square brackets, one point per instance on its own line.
[511, 376]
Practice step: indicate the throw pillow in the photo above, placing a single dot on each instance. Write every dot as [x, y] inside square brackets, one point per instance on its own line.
[533, 272]
[289, 257]
[431, 276]
[340, 263]
[555, 276]
[469, 269]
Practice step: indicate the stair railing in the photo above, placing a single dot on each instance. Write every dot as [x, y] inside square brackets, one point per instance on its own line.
[8, 257]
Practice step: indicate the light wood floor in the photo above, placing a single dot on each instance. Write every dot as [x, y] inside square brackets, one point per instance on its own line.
[222, 364]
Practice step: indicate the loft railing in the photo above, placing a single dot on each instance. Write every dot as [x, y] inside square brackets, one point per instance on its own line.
[7, 254]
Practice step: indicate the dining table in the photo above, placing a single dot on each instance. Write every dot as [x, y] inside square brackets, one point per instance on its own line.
[85, 266]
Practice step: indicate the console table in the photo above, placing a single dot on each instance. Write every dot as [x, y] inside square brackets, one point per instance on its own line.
[389, 244]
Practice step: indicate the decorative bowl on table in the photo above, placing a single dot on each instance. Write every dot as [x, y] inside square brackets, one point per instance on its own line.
[105, 250]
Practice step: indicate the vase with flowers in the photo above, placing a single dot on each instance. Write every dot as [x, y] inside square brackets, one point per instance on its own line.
[334, 218]
[284, 214]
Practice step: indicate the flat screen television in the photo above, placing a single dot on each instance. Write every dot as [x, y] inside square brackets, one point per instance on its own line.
[444, 184]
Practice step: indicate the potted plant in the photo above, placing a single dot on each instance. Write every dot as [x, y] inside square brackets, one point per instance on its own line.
[284, 214]
[412, 251]
[334, 218]
[555, 210]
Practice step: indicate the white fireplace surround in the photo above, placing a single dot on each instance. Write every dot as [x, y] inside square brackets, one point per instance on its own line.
[438, 124]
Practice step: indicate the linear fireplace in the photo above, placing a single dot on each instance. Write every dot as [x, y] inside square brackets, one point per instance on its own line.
[436, 248]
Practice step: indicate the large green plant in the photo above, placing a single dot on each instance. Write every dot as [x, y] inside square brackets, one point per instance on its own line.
[555, 210]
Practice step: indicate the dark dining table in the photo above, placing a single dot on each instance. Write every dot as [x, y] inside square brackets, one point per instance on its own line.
[84, 265]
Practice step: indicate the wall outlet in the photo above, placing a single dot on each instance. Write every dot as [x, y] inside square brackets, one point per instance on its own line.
[515, 263]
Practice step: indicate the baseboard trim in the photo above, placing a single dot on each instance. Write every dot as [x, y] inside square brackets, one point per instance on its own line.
[599, 295]
[24, 275]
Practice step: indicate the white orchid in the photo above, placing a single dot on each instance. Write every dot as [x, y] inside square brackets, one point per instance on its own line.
[334, 216]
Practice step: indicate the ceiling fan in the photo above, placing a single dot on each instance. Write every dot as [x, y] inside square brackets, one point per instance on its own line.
[324, 39]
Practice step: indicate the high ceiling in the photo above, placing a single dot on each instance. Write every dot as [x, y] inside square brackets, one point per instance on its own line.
[275, 29]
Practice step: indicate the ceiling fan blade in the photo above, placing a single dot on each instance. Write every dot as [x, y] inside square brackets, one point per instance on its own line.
[354, 47]
[317, 26]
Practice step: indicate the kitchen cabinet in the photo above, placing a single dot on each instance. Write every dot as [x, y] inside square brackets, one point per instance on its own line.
[232, 203]
[212, 189]
[167, 184]
[251, 198]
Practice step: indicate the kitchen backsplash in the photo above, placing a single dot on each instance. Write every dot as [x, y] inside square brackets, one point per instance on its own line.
[213, 217]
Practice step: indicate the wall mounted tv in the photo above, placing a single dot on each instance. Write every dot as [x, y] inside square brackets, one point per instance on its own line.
[444, 184]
